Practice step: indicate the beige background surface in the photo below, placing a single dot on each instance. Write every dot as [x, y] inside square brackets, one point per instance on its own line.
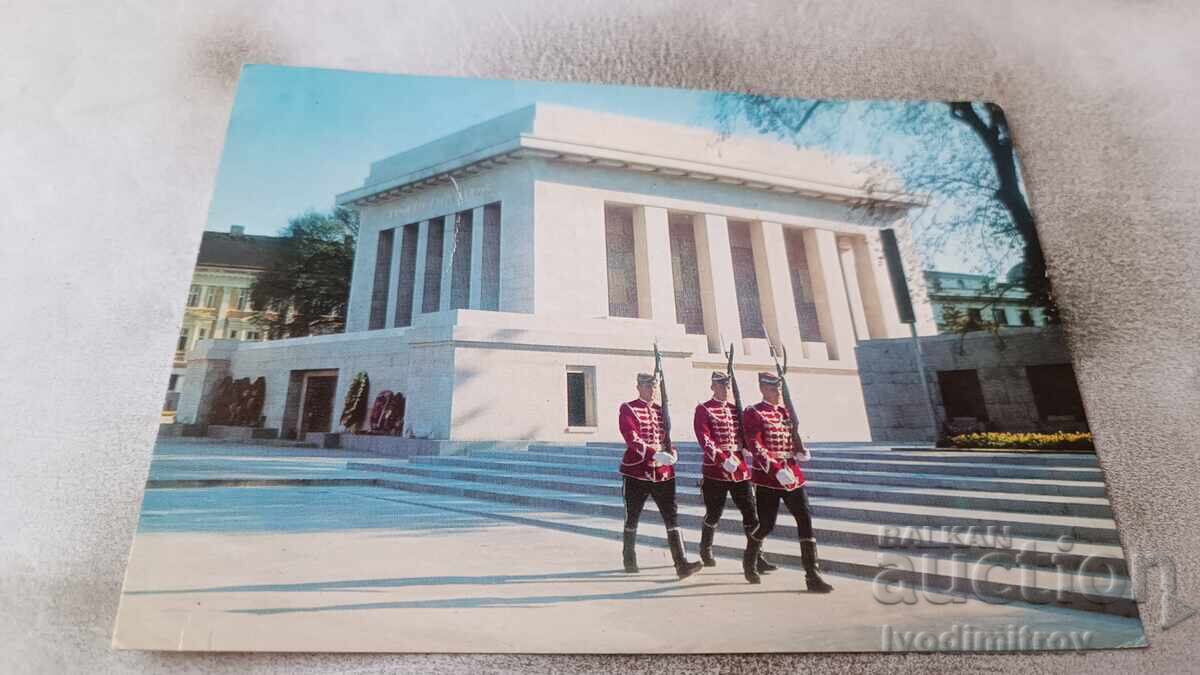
[111, 123]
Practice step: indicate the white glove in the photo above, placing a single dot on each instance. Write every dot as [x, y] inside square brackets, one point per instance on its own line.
[803, 455]
[664, 458]
[731, 464]
[785, 476]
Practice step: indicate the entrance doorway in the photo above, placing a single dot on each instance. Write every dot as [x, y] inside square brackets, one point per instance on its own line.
[316, 408]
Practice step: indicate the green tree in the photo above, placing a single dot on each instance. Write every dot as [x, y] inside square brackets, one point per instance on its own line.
[306, 289]
[959, 155]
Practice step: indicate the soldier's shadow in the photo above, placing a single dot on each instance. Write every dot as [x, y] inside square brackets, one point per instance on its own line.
[617, 575]
[661, 592]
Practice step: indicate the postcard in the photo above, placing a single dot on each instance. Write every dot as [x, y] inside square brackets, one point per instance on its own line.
[500, 366]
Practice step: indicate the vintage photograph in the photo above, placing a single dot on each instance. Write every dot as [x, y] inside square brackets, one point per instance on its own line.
[515, 366]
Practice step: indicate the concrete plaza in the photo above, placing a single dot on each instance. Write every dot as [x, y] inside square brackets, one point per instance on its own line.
[225, 561]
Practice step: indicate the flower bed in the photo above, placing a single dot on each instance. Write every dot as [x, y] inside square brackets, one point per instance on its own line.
[1061, 441]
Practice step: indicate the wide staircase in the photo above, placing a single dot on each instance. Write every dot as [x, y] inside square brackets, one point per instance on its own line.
[1035, 528]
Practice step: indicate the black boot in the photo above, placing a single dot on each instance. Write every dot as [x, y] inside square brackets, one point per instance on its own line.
[763, 566]
[706, 542]
[753, 550]
[812, 577]
[683, 567]
[628, 553]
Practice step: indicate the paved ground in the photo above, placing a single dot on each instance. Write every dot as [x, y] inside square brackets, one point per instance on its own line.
[359, 568]
[372, 569]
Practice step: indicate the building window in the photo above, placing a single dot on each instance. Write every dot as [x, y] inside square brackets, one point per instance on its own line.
[252, 335]
[581, 396]
[745, 280]
[622, 261]
[975, 315]
[383, 273]
[193, 296]
[200, 334]
[1026, 318]
[689, 308]
[431, 299]
[182, 343]
[243, 299]
[802, 286]
[1055, 392]
[1000, 317]
[406, 279]
[233, 335]
[962, 396]
[460, 261]
[173, 383]
[210, 297]
[490, 292]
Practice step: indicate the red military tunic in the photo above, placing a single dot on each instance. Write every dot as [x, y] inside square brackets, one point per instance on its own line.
[770, 442]
[716, 424]
[641, 425]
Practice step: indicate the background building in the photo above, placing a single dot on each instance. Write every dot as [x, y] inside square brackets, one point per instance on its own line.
[218, 303]
[982, 298]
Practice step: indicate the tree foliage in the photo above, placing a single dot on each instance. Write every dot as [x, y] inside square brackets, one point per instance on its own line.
[306, 289]
[958, 155]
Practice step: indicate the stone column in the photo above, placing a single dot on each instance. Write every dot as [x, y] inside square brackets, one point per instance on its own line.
[829, 293]
[419, 276]
[393, 281]
[879, 301]
[774, 278]
[448, 239]
[849, 265]
[718, 295]
[652, 249]
[476, 294]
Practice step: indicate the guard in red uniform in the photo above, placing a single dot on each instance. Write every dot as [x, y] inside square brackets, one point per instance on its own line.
[649, 471]
[726, 472]
[777, 476]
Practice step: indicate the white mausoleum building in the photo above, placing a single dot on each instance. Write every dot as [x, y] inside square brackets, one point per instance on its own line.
[511, 278]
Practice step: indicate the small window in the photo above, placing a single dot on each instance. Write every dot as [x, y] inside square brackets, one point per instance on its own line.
[251, 335]
[210, 298]
[243, 299]
[975, 315]
[193, 296]
[201, 334]
[581, 397]
[181, 345]
[1000, 317]
[1026, 318]
[233, 335]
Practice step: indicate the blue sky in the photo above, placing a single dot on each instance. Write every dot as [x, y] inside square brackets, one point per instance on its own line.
[299, 136]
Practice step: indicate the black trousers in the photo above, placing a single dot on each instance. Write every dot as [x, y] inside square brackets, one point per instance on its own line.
[767, 500]
[714, 492]
[663, 492]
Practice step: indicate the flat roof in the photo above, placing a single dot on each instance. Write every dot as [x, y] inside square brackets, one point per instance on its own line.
[558, 132]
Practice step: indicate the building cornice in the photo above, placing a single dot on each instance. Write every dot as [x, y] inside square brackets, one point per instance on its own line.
[528, 147]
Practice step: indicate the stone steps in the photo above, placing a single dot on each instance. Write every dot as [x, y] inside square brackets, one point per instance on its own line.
[857, 533]
[941, 468]
[973, 457]
[1093, 507]
[1072, 589]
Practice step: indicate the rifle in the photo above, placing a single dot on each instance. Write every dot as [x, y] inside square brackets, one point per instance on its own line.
[737, 395]
[662, 393]
[793, 426]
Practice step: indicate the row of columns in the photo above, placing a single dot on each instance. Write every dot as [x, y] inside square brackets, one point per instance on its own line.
[475, 295]
[848, 290]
